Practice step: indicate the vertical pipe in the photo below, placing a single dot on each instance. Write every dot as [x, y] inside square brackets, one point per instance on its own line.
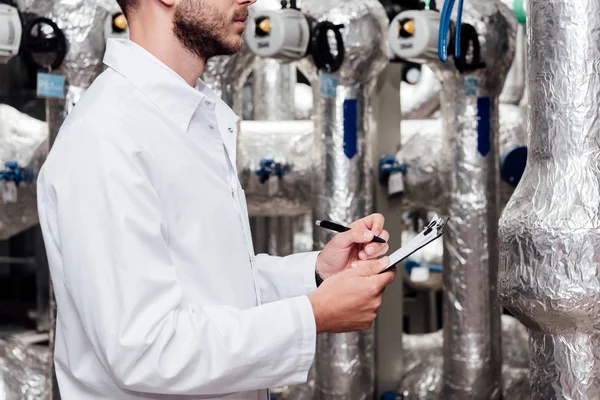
[470, 114]
[472, 343]
[273, 95]
[344, 364]
[549, 237]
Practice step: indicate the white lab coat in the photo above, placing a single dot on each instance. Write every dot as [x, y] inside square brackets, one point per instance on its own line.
[159, 292]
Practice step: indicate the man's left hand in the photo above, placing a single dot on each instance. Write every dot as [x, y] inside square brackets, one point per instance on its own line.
[354, 245]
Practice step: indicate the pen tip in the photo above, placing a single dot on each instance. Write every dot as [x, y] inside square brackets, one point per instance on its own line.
[318, 223]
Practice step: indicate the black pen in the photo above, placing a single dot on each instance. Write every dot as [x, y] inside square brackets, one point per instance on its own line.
[332, 226]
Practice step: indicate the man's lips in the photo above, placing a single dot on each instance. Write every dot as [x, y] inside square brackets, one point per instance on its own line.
[241, 19]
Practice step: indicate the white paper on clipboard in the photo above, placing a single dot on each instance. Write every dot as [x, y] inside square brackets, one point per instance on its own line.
[432, 231]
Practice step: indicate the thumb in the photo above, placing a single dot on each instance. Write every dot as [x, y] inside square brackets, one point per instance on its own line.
[348, 238]
[370, 267]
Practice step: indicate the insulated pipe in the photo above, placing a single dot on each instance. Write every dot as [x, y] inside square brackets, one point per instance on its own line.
[344, 364]
[549, 235]
[422, 143]
[470, 100]
[23, 139]
[273, 99]
[472, 329]
[289, 144]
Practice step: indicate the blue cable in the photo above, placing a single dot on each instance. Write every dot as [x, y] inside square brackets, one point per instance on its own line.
[445, 27]
[458, 25]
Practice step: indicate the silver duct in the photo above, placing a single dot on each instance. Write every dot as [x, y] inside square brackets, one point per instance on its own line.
[423, 142]
[549, 230]
[344, 364]
[472, 342]
[423, 377]
[22, 139]
[421, 100]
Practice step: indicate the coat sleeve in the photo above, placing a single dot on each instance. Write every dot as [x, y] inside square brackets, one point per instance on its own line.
[286, 277]
[116, 266]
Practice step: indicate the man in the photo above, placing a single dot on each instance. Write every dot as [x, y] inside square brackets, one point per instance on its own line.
[159, 292]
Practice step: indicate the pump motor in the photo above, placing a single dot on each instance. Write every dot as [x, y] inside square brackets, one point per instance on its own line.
[288, 35]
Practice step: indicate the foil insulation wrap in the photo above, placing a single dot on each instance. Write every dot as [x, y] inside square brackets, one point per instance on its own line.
[25, 140]
[469, 105]
[421, 149]
[423, 360]
[226, 76]
[549, 236]
[421, 100]
[344, 126]
[274, 90]
[288, 143]
[23, 371]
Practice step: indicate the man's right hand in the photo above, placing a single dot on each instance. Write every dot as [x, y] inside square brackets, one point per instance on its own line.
[349, 301]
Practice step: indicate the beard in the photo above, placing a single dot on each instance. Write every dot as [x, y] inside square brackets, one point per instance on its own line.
[203, 29]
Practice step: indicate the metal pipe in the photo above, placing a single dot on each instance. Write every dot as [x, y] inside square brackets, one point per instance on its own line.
[344, 364]
[470, 100]
[273, 99]
[549, 236]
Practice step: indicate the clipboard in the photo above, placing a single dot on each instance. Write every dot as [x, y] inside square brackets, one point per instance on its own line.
[434, 230]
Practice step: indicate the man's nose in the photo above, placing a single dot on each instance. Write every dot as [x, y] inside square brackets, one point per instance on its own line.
[246, 3]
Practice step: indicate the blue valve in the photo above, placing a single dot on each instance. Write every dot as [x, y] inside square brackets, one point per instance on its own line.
[269, 167]
[13, 173]
[409, 264]
[388, 165]
[391, 396]
[512, 165]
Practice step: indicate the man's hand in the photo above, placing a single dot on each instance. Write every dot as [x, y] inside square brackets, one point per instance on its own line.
[354, 245]
[348, 301]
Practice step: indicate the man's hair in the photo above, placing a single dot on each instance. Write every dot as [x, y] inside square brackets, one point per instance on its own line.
[126, 5]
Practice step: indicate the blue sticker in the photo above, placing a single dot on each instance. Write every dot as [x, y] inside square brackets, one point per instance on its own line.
[328, 85]
[49, 85]
[483, 125]
[471, 85]
[350, 127]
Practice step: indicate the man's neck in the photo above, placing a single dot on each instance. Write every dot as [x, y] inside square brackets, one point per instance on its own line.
[169, 50]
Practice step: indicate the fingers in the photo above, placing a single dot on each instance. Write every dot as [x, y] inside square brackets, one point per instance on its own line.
[371, 267]
[374, 222]
[353, 236]
[375, 250]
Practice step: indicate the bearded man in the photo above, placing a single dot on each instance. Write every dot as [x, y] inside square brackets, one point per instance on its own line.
[159, 292]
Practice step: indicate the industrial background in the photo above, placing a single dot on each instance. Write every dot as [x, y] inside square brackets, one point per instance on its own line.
[487, 113]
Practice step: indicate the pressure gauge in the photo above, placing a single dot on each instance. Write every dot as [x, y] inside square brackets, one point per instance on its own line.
[11, 31]
[413, 35]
